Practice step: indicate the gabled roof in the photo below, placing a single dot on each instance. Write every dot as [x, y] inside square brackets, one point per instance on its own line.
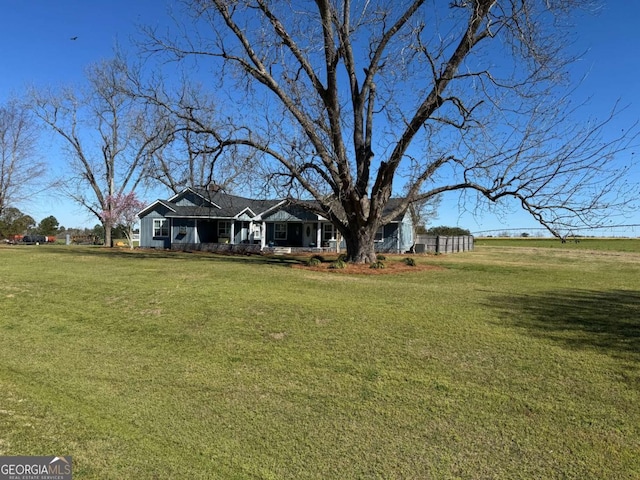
[313, 206]
[201, 194]
[234, 205]
[164, 203]
[216, 204]
[391, 205]
[221, 205]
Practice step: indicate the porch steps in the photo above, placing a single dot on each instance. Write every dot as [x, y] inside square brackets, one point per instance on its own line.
[281, 250]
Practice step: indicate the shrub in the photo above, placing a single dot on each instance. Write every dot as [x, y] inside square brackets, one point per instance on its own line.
[318, 257]
[450, 231]
[313, 262]
[338, 264]
[377, 265]
[342, 257]
[410, 261]
[380, 257]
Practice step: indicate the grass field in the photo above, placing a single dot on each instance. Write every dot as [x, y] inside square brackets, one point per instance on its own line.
[599, 244]
[515, 361]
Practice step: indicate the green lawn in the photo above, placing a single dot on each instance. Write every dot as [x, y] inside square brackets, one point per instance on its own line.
[612, 244]
[508, 362]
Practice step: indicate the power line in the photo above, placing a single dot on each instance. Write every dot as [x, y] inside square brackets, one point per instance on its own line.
[578, 229]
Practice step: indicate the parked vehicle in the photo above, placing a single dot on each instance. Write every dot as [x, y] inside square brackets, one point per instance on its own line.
[37, 239]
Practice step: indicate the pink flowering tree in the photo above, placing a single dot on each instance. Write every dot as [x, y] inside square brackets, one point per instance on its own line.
[122, 210]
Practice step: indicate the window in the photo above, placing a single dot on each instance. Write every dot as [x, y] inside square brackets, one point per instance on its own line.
[328, 232]
[280, 231]
[160, 227]
[379, 234]
[224, 229]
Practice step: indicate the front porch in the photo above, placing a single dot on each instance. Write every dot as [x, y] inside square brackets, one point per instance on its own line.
[248, 248]
[236, 248]
[211, 220]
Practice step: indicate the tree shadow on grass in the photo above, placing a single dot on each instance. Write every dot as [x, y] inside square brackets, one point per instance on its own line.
[251, 259]
[608, 321]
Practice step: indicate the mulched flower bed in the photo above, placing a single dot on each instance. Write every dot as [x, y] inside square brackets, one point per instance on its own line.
[390, 267]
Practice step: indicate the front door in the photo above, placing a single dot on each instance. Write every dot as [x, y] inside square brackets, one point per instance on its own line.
[242, 232]
[308, 234]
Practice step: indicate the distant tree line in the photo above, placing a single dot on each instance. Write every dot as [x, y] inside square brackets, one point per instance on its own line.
[14, 222]
[445, 231]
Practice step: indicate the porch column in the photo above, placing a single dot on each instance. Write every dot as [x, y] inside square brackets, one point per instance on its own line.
[318, 234]
[263, 235]
[232, 232]
[196, 237]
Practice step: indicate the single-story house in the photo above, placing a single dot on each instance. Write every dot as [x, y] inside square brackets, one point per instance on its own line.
[199, 218]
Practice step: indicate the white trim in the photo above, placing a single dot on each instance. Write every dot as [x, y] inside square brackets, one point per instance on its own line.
[245, 210]
[204, 217]
[334, 232]
[151, 207]
[260, 215]
[189, 189]
[161, 228]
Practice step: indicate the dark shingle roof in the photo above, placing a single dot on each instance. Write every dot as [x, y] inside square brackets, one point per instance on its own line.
[218, 204]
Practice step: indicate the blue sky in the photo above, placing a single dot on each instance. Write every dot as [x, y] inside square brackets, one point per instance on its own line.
[37, 49]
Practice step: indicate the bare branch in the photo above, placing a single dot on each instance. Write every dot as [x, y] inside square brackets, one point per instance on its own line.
[348, 100]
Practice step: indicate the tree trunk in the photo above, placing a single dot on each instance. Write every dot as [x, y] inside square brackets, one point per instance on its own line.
[107, 235]
[130, 237]
[360, 244]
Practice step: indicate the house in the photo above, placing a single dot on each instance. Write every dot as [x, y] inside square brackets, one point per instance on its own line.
[209, 219]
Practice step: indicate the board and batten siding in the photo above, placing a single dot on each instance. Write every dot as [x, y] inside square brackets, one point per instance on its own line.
[292, 214]
[405, 230]
[147, 240]
[188, 199]
[389, 242]
[183, 230]
[396, 237]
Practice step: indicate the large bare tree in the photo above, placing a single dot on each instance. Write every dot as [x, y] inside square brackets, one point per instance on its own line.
[20, 166]
[108, 137]
[190, 154]
[346, 99]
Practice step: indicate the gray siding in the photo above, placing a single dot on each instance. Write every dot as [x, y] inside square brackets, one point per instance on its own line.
[193, 220]
[147, 240]
[406, 234]
[291, 214]
[188, 199]
[389, 242]
[397, 237]
[183, 230]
